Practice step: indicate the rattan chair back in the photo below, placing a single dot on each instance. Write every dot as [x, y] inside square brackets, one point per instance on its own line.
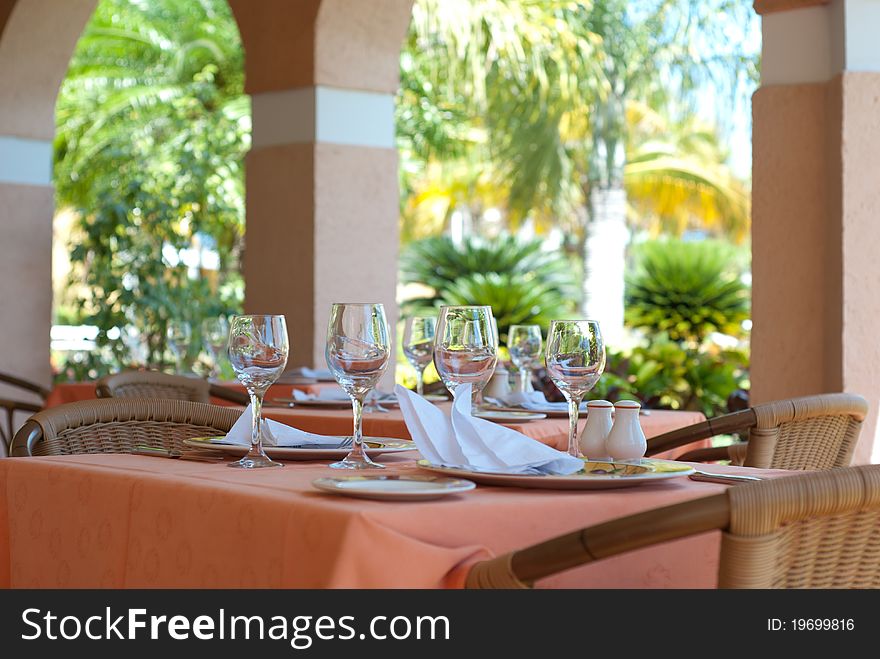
[812, 432]
[814, 530]
[119, 426]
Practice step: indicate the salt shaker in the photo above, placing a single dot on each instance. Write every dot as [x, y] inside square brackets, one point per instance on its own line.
[596, 429]
[499, 385]
[626, 441]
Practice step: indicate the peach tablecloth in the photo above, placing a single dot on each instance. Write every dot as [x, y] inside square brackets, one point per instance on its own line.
[72, 392]
[553, 432]
[139, 522]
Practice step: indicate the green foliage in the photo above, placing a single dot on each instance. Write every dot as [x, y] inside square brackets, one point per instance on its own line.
[152, 128]
[521, 282]
[686, 289]
[663, 374]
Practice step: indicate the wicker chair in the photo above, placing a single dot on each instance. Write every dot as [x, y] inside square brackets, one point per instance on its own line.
[813, 432]
[118, 426]
[152, 384]
[11, 406]
[815, 530]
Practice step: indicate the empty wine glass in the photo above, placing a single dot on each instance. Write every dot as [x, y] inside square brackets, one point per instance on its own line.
[258, 347]
[524, 342]
[358, 348]
[215, 334]
[178, 334]
[466, 348]
[575, 361]
[418, 345]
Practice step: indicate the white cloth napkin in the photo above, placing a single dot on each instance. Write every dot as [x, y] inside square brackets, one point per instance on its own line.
[468, 442]
[276, 434]
[531, 400]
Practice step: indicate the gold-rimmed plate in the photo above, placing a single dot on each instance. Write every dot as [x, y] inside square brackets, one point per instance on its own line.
[392, 487]
[373, 445]
[594, 476]
[514, 416]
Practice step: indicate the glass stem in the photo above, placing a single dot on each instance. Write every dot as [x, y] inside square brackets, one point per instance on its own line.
[420, 381]
[476, 399]
[574, 404]
[257, 426]
[357, 406]
[523, 379]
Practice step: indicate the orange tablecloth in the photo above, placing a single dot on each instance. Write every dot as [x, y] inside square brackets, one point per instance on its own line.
[71, 392]
[134, 522]
[553, 432]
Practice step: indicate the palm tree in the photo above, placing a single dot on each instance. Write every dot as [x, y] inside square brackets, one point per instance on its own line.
[551, 84]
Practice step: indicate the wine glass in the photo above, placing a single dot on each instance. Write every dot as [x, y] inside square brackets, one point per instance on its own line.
[215, 334]
[258, 349]
[418, 345]
[466, 348]
[575, 361]
[358, 349]
[178, 334]
[524, 342]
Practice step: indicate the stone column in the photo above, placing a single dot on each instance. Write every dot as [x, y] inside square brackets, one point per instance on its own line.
[37, 38]
[816, 200]
[322, 191]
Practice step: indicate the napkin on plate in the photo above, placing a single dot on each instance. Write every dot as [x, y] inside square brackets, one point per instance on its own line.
[531, 400]
[276, 434]
[467, 442]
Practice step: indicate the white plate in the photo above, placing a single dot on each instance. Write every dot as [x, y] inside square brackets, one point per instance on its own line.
[621, 474]
[436, 398]
[512, 417]
[374, 446]
[394, 488]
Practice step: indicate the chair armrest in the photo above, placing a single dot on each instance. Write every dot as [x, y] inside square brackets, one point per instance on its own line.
[720, 425]
[711, 454]
[27, 385]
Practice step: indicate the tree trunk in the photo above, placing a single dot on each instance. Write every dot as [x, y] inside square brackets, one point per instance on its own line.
[605, 259]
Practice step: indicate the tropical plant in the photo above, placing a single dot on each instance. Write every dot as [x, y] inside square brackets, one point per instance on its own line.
[686, 289]
[152, 128]
[664, 375]
[548, 87]
[521, 281]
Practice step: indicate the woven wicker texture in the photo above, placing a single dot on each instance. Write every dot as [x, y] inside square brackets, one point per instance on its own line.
[813, 432]
[119, 425]
[151, 384]
[820, 530]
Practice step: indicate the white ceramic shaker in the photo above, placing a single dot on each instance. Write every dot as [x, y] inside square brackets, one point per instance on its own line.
[596, 429]
[626, 441]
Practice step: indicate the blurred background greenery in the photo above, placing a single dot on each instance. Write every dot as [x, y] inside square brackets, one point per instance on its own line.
[511, 116]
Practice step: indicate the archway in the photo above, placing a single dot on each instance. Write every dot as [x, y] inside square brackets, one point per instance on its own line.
[322, 169]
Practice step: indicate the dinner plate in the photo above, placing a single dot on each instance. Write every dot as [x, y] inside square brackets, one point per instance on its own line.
[374, 446]
[392, 487]
[436, 398]
[595, 475]
[509, 416]
[551, 412]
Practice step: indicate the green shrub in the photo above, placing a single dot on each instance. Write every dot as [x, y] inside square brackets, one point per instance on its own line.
[687, 290]
[665, 375]
[521, 282]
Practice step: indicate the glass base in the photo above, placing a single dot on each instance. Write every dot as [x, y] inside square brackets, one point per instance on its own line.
[353, 462]
[255, 462]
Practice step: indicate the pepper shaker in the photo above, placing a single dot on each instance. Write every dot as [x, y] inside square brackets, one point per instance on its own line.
[626, 441]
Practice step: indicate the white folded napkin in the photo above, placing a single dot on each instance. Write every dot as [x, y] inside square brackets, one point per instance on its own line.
[275, 434]
[467, 442]
[531, 400]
